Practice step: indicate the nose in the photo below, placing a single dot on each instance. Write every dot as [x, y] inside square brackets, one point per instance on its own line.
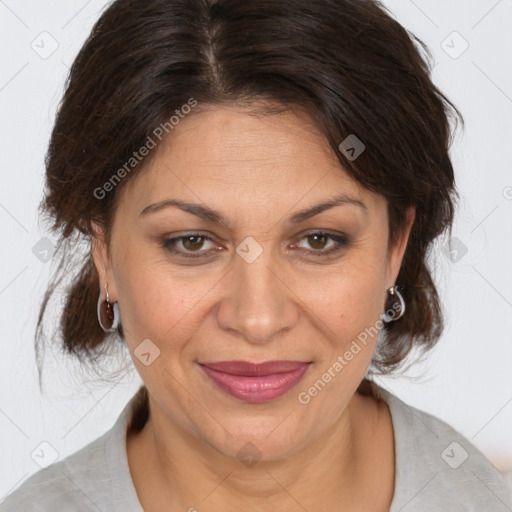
[257, 304]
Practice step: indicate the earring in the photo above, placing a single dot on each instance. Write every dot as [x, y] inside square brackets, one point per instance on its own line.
[391, 314]
[107, 312]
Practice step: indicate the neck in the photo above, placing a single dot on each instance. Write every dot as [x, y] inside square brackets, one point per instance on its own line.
[187, 473]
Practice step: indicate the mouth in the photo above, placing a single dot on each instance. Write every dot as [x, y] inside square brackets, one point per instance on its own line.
[255, 382]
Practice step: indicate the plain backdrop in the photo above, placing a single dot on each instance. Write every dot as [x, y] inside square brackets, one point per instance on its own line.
[466, 381]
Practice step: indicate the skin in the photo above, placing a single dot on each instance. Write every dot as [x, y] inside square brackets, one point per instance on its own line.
[287, 304]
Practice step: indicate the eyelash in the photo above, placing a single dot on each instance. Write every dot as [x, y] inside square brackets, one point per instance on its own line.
[342, 241]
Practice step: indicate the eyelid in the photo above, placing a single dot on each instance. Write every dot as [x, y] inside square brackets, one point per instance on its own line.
[341, 241]
[167, 244]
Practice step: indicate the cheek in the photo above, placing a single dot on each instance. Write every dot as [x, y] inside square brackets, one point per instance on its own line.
[363, 304]
[159, 301]
[350, 299]
[167, 304]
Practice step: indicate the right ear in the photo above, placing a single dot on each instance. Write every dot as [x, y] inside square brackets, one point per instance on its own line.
[101, 258]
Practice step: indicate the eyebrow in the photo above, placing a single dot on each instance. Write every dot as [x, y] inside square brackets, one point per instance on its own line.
[211, 215]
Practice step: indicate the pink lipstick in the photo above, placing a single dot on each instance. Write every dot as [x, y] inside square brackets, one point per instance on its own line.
[255, 382]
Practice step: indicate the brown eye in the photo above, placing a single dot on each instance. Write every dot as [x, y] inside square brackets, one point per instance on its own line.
[193, 242]
[317, 240]
[185, 246]
[322, 244]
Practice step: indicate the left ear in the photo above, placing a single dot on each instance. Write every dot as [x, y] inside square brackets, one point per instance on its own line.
[396, 253]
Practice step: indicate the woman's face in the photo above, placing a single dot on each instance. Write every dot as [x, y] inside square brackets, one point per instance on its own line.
[258, 286]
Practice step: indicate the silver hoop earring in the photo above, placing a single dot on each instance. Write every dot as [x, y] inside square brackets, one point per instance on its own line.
[107, 313]
[391, 314]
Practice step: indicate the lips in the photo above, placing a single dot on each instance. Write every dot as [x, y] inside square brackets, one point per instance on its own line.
[255, 382]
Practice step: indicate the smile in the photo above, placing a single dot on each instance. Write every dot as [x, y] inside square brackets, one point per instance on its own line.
[255, 382]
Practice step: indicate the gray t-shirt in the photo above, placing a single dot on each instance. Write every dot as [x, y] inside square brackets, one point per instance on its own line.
[436, 469]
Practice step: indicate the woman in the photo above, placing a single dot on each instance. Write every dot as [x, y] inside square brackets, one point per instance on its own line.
[260, 183]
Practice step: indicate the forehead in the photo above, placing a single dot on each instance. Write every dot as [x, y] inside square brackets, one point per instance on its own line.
[229, 137]
[231, 153]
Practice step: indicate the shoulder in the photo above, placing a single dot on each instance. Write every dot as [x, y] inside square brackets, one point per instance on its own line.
[65, 485]
[94, 478]
[438, 468]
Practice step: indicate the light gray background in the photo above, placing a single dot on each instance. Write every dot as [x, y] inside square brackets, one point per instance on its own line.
[466, 381]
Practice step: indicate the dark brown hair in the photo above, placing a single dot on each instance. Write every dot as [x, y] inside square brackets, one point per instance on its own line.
[346, 63]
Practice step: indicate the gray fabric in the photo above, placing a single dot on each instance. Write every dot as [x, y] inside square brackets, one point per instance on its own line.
[432, 472]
